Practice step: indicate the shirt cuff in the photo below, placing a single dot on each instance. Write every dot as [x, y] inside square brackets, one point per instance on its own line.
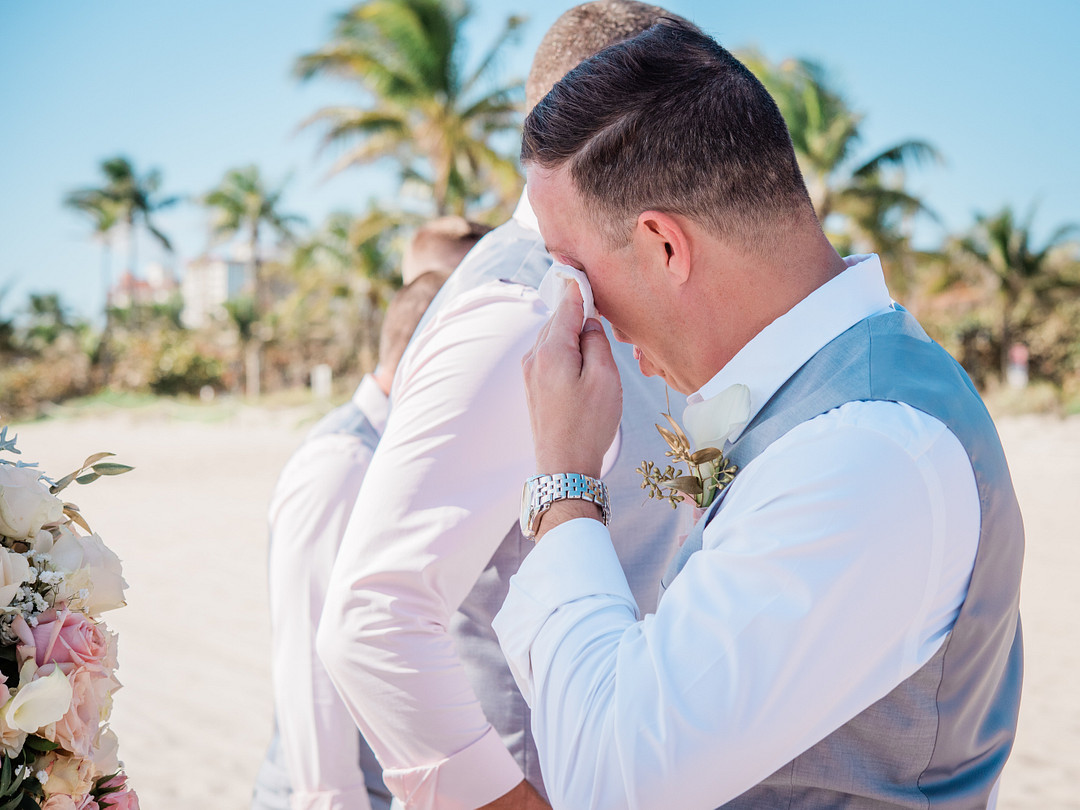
[347, 799]
[575, 560]
[469, 779]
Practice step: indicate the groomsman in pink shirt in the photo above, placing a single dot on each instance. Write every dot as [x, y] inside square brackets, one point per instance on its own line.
[317, 758]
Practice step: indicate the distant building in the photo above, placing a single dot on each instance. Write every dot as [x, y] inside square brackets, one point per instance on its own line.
[157, 288]
[208, 283]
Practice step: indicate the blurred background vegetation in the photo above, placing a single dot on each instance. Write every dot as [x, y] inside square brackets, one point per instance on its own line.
[275, 295]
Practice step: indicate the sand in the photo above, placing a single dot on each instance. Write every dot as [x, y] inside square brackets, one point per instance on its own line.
[195, 712]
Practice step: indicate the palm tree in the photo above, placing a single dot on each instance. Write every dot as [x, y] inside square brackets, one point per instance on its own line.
[1022, 274]
[825, 134]
[242, 203]
[125, 197]
[343, 276]
[104, 215]
[423, 110]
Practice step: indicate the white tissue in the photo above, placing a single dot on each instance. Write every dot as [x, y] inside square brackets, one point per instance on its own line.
[554, 285]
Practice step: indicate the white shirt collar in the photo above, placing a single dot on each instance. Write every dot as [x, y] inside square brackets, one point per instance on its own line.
[372, 402]
[782, 347]
[524, 215]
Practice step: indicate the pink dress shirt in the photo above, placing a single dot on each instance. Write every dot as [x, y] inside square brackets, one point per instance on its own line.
[420, 537]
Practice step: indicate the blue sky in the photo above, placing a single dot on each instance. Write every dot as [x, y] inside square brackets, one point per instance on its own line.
[199, 87]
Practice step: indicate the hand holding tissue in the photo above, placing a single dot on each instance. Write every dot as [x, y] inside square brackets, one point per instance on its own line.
[555, 283]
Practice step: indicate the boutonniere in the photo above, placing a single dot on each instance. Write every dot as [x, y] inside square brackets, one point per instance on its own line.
[709, 423]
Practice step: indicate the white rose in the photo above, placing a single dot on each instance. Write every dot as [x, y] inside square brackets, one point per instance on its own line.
[88, 564]
[43, 542]
[25, 503]
[14, 571]
[37, 703]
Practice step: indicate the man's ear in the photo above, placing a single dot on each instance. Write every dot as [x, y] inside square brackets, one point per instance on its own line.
[666, 240]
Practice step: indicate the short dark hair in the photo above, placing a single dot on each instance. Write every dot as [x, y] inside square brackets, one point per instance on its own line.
[403, 314]
[670, 121]
[580, 32]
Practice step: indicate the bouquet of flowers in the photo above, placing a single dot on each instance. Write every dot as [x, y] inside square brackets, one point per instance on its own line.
[57, 659]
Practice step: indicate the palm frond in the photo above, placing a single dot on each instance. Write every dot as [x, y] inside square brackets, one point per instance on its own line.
[907, 153]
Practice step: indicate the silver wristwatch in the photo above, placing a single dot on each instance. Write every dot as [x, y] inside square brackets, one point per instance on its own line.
[541, 491]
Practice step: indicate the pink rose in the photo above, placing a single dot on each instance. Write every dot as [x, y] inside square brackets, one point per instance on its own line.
[64, 637]
[91, 690]
[122, 799]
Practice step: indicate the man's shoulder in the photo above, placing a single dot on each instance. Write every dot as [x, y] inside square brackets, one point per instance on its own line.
[511, 254]
[488, 307]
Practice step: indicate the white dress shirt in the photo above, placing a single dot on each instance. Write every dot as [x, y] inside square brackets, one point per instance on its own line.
[309, 510]
[833, 570]
[421, 536]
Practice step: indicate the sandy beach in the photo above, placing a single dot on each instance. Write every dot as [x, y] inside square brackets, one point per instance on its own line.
[195, 712]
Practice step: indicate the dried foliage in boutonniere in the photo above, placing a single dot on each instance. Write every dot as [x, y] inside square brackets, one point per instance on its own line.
[709, 423]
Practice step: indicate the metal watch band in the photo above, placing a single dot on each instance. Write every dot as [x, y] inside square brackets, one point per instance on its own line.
[544, 490]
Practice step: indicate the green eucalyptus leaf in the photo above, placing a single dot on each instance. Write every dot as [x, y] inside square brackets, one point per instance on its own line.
[111, 468]
[63, 482]
[40, 744]
[88, 478]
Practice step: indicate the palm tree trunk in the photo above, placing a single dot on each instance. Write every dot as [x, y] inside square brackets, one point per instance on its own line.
[253, 368]
[1006, 336]
[253, 353]
[132, 253]
[105, 348]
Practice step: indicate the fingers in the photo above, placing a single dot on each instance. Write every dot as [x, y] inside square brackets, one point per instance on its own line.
[570, 312]
[561, 327]
[595, 347]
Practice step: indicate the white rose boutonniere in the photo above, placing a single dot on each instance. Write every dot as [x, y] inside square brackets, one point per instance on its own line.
[708, 423]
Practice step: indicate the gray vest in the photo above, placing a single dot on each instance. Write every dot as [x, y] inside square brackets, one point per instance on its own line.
[941, 737]
[651, 528]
